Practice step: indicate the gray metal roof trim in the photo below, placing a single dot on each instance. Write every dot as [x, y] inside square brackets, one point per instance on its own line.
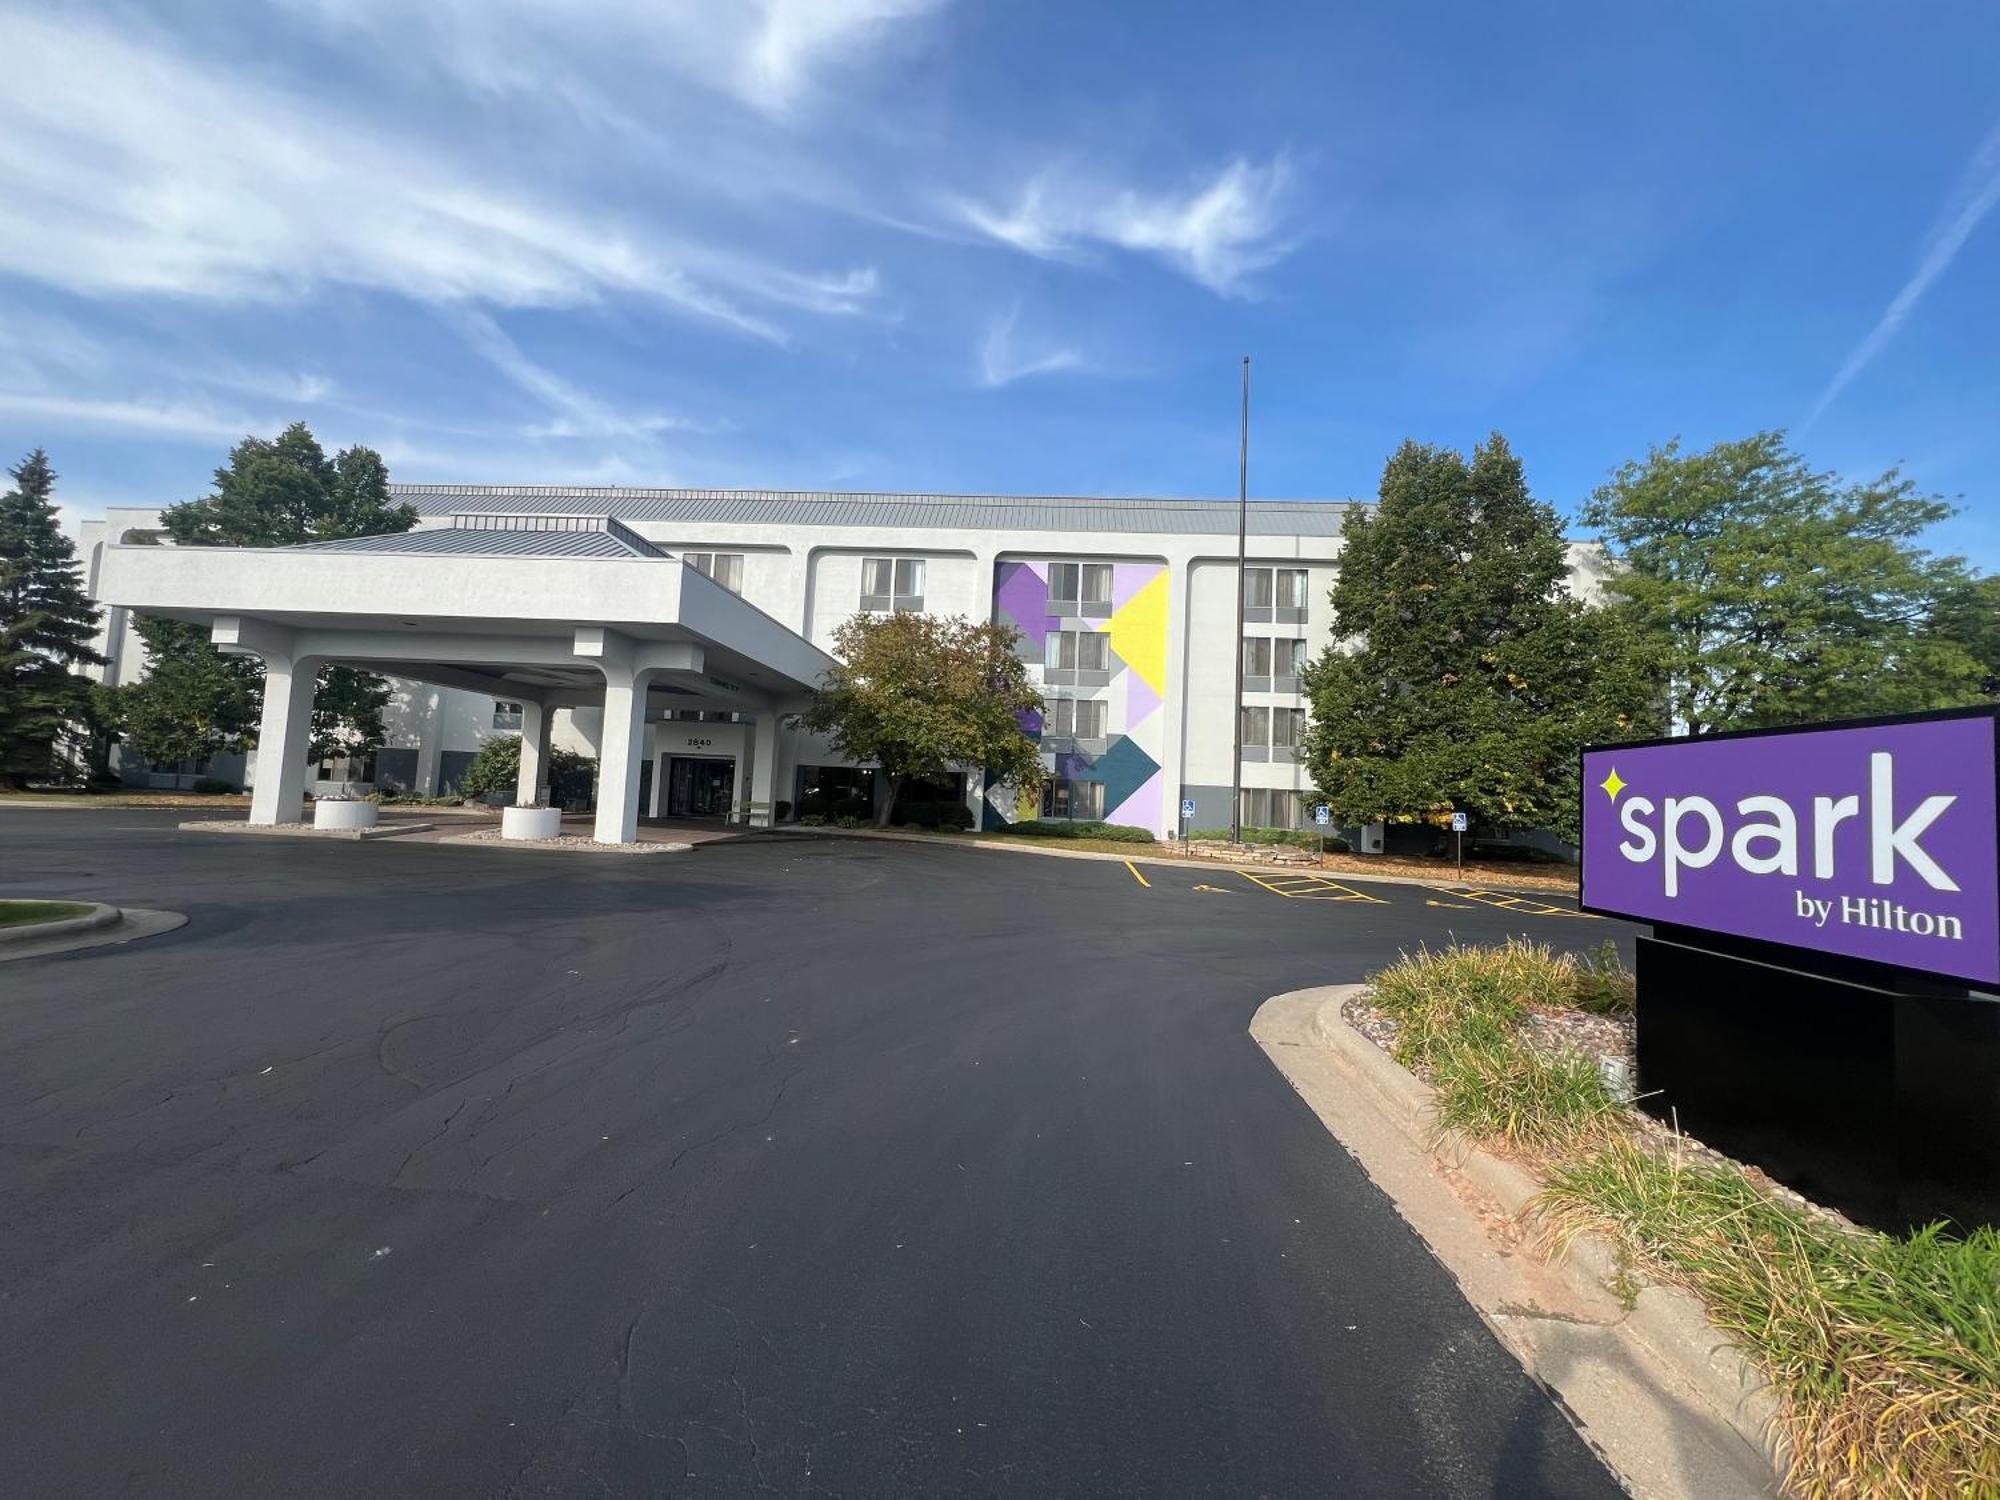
[447, 541]
[835, 508]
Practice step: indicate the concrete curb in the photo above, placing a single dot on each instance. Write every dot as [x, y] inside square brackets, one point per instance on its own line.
[1672, 1323]
[282, 831]
[98, 916]
[128, 924]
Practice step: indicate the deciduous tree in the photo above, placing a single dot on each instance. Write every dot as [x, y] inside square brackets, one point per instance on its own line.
[922, 695]
[276, 492]
[1778, 595]
[47, 626]
[1465, 675]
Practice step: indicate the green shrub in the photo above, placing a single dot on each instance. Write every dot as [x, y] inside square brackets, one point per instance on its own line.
[848, 820]
[812, 820]
[209, 785]
[1058, 828]
[495, 772]
[948, 814]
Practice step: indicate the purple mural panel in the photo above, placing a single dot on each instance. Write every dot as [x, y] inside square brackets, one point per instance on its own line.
[1022, 595]
[1874, 841]
[1144, 806]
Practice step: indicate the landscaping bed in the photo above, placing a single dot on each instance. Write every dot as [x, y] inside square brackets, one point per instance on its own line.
[1884, 1350]
[29, 913]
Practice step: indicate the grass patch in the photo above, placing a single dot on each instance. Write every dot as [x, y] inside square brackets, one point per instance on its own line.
[20, 913]
[1885, 1349]
[1458, 1013]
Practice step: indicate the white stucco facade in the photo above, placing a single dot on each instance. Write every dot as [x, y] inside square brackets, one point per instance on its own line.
[1128, 610]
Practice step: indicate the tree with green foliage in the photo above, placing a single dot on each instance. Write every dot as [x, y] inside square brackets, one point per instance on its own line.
[1777, 595]
[1969, 617]
[923, 695]
[497, 768]
[47, 626]
[279, 492]
[1465, 676]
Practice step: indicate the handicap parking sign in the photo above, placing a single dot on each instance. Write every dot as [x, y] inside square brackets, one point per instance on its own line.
[1187, 807]
[1322, 815]
[1459, 822]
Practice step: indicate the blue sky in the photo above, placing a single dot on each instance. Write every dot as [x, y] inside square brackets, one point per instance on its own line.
[968, 245]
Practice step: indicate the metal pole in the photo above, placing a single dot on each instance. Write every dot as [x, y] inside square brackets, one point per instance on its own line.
[1242, 542]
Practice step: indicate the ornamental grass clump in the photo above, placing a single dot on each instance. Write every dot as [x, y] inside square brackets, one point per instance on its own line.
[1458, 1012]
[1885, 1351]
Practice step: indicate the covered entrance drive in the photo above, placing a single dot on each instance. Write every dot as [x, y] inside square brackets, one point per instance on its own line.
[548, 611]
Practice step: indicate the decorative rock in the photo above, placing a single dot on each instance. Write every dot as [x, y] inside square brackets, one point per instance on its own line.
[345, 814]
[530, 822]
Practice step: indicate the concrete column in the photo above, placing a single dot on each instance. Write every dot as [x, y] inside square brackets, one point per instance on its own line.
[280, 793]
[621, 747]
[764, 763]
[534, 775]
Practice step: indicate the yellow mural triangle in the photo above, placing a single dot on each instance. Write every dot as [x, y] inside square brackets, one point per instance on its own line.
[1139, 633]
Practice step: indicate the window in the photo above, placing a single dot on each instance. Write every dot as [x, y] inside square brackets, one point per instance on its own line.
[1267, 807]
[1081, 718]
[1072, 799]
[891, 583]
[726, 568]
[1080, 588]
[1256, 656]
[1291, 657]
[1288, 725]
[1256, 728]
[346, 768]
[1078, 651]
[506, 716]
[1275, 594]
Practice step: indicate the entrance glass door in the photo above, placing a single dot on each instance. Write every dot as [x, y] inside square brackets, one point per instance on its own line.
[700, 786]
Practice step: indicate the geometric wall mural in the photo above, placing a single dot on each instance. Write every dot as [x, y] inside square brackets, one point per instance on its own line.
[1128, 764]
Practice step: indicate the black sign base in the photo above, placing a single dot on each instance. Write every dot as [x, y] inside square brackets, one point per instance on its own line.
[1884, 1105]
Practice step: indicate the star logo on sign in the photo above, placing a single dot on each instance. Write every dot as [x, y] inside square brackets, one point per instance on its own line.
[1613, 784]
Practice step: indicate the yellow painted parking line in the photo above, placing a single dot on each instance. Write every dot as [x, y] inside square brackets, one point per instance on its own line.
[1309, 888]
[1137, 876]
[1522, 904]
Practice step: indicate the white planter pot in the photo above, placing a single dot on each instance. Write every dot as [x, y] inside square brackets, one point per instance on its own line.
[345, 814]
[530, 822]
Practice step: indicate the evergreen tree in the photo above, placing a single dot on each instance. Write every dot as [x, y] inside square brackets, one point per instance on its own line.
[1776, 595]
[279, 492]
[47, 624]
[1465, 676]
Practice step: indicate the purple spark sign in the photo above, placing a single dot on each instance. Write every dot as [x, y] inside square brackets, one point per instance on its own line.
[1876, 840]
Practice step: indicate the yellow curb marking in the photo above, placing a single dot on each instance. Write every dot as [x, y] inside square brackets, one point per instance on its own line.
[1309, 888]
[1137, 876]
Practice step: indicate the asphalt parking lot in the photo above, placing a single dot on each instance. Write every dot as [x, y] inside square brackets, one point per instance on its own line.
[808, 1166]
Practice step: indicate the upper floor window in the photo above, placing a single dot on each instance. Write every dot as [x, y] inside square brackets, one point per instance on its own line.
[1079, 718]
[1078, 651]
[1080, 588]
[506, 716]
[1275, 594]
[890, 583]
[1272, 663]
[726, 568]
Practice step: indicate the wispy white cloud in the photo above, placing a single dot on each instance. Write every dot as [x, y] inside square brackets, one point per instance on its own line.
[1973, 199]
[773, 55]
[188, 421]
[1004, 357]
[1219, 231]
[575, 412]
[132, 169]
